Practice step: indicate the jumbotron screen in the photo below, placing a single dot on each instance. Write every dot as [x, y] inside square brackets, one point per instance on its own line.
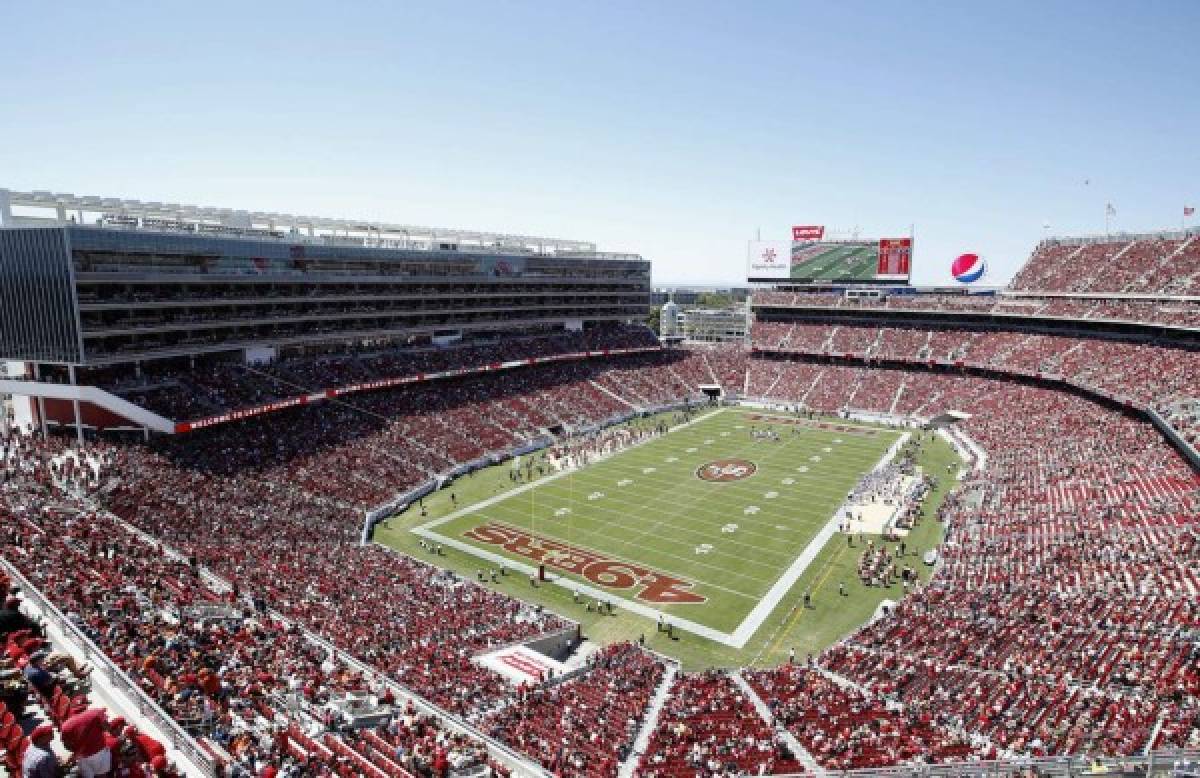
[812, 261]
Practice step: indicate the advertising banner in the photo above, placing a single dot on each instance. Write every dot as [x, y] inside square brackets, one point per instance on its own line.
[814, 232]
[770, 259]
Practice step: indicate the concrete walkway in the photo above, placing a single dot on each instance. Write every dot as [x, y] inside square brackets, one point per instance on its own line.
[649, 723]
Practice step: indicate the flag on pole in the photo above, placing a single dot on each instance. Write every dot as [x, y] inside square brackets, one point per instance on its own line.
[1109, 210]
[1188, 210]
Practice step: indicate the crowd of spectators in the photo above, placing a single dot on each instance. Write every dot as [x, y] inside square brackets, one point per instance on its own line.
[585, 725]
[709, 727]
[50, 720]
[255, 688]
[1162, 265]
[1062, 617]
[189, 391]
[1150, 374]
[845, 728]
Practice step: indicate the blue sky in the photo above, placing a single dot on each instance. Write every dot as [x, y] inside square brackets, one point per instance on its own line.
[672, 129]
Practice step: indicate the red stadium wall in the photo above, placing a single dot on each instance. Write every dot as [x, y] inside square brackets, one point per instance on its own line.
[63, 412]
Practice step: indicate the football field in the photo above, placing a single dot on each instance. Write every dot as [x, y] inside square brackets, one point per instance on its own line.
[708, 524]
[840, 263]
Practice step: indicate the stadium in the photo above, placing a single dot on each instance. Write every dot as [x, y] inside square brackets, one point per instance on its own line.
[599, 390]
[314, 496]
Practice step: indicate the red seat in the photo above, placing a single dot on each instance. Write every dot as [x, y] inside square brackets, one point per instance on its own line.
[14, 754]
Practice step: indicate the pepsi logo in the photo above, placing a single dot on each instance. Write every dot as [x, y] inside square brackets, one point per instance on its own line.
[968, 268]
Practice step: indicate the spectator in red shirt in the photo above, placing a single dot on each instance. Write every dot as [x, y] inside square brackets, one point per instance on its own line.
[83, 735]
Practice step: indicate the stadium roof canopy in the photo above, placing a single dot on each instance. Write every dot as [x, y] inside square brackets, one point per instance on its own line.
[62, 208]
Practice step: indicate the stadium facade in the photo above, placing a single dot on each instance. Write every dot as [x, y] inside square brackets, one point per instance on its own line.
[143, 282]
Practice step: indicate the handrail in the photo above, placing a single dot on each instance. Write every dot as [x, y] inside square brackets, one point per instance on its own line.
[883, 311]
[495, 747]
[180, 739]
[1156, 763]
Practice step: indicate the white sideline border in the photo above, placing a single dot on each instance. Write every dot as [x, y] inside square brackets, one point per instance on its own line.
[748, 626]
[785, 582]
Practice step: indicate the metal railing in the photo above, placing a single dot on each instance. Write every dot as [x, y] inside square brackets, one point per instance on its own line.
[1153, 765]
[147, 708]
[501, 752]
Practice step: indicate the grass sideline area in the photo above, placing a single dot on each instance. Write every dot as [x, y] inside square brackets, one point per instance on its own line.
[683, 505]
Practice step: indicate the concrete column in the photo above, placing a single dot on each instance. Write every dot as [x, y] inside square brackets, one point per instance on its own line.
[41, 401]
[75, 407]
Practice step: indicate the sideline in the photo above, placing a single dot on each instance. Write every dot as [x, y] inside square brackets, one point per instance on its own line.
[741, 634]
[776, 593]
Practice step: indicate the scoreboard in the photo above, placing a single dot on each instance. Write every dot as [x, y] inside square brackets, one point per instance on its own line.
[809, 258]
[895, 259]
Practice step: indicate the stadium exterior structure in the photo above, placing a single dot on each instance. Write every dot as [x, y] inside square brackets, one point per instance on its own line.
[151, 281]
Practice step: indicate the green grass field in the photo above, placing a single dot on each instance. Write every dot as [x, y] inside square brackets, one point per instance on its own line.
[730, 541]
[840, 262]
[650, 518]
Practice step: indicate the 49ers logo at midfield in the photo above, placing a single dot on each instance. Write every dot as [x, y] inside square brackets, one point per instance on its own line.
[726, 470]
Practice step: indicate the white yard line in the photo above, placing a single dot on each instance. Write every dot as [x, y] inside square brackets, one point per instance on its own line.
[660, 568]
[472, 508]
[753, 492]
[570, 584]
[749, 525]
[698, 495]
[693, 559]
[778, 514]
